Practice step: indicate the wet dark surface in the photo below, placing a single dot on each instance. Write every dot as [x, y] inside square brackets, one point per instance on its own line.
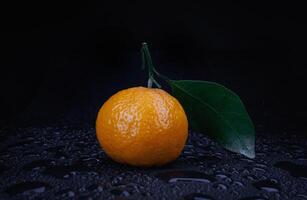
[67, 163]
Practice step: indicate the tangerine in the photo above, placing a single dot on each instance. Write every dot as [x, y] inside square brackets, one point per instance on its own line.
[142, 127]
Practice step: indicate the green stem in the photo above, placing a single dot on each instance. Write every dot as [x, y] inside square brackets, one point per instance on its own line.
[146, 60]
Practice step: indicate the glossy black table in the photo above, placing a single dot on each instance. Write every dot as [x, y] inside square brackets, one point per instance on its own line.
[67, 163]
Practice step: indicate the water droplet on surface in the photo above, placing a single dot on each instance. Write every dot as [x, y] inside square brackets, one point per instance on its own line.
[220, 186]
[295, 170]
[253, 198]
[91, 161]
[99, 188]
[268, 185]
[185, 175]
[60, 155]
[259, 154]
[223, 177]
[92, 187]
[209, 158]
[36, 165]
[247, 160]
[119, 192]
[197, 196]
[65, 171]
[237, 183]
[258, 169]
[3, 169]
[301, 159]
[81, 145]
[27, 188]
[66, 193]
[302, 196]
[70, 194]
[21, 143]
[250, 177]
[260, 165]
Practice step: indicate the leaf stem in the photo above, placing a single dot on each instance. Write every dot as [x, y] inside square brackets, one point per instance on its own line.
[147, 61]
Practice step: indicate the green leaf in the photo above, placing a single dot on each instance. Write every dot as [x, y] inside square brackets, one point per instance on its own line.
[216, 110]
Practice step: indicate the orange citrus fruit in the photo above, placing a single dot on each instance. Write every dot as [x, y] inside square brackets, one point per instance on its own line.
[142, 127]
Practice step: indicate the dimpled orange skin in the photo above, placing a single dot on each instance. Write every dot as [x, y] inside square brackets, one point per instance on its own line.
[142, 127]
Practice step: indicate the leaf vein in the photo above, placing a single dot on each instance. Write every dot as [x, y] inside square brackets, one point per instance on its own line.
[218, 114]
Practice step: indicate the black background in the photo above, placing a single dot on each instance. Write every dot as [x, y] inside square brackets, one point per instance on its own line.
[61, 61]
